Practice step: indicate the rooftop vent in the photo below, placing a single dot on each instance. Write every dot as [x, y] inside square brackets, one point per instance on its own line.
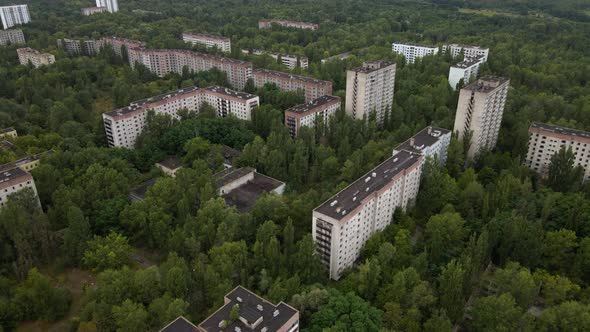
[374, 174]
[221, 324]
[275, 313]
[238, 329]
[368, 179]
[354, 199]
[239, 299]
[334, 203]
[344, 212]
[264, 329]
[259, 307]
[395, 159]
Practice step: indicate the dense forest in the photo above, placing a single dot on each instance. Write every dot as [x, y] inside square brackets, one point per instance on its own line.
[488, 245]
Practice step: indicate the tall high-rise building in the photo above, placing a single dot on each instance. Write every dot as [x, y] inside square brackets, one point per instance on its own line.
[412, 52]
[123, 125]
[112, 6]
[479, 113]
[343, 223]
[546, 140]
[14, 15]
[370, 89]
[12, 36]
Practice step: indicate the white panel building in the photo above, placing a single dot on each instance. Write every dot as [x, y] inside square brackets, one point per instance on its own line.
[209, 41]
[469, 52]
[466, 70]
[14, 15]
[320, 109]
[112, 6]
[412, 52]
[370, 89]
[123, 126]
[12, 181]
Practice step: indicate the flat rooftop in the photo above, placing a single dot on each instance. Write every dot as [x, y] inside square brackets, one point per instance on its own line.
[244, 197]
[12, 174]
[468, 46]
[468, 62]
[231, 93]
[180, 324]
[426, 137]
[308, 107]
[23, 161]
[369, 67]
[413, 45]
[171, 162]
[205, 36]
[560, 130]
[486, 84]
[351, 197]
[290, 76]
[230, 175]
[230, 153]
[6, 130]
[251, 308]
[136, 105]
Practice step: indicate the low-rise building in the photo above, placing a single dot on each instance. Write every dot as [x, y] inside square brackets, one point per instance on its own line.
[180, 324]
[12, 37]
[412, 51]
[241, 187]
[265, 24]
[254, 314]
[123, 125]
[8, 133]
[342, 225]
[290, 61]
[546, 140]
[12, 181]
[469, 52]
[308, 114]
[466, 70]
[27, 163]
[14, 15]
[170, 165]
[229, 156]
[312, 88]
[93, 10]
[209, 41]
[38, 59]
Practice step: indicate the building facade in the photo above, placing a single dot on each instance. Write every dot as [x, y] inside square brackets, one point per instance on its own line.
[12, 37]
[469, 52]
[265, 24]
[209, 41]
[38, 59]
[123, 126]
[312, 88]
[13, 181]
[466, 70]
[290, 61]
[370, 89]
[546, 140]
[93, 10]
[343, 224]
[8, 133]
[412, 52]
[308, 114]
[119, 44]
[27, 163]
[479, 113]
[255, 314]
[112, 6]
[14, 15]
[70, 46]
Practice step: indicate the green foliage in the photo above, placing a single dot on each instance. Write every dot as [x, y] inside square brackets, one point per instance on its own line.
[35, 298]
[495, 313]
[563, 174]
[108, 252]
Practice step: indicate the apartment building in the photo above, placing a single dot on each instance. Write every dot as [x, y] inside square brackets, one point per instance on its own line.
[343, 224]
[70, 46]
[255, 314]
[312, 88]
[341, 56]
[12, 37]
[308, 114]
[87, 11]
[370, 89]
[123, 126]
[466, 70]
[546, 140]
[38, 59]
[241, 187]
[209, 41]
[14, 15]
[164, 61]
[8, 133]
[469, 52]
[265, 24]
[112, 6]
[479, 112]
[290, 61]
[431, 142]
[118, 43]
[13, 181]
[412, 51]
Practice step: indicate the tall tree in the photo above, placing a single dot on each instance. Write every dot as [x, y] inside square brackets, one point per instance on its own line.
[563, 174]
